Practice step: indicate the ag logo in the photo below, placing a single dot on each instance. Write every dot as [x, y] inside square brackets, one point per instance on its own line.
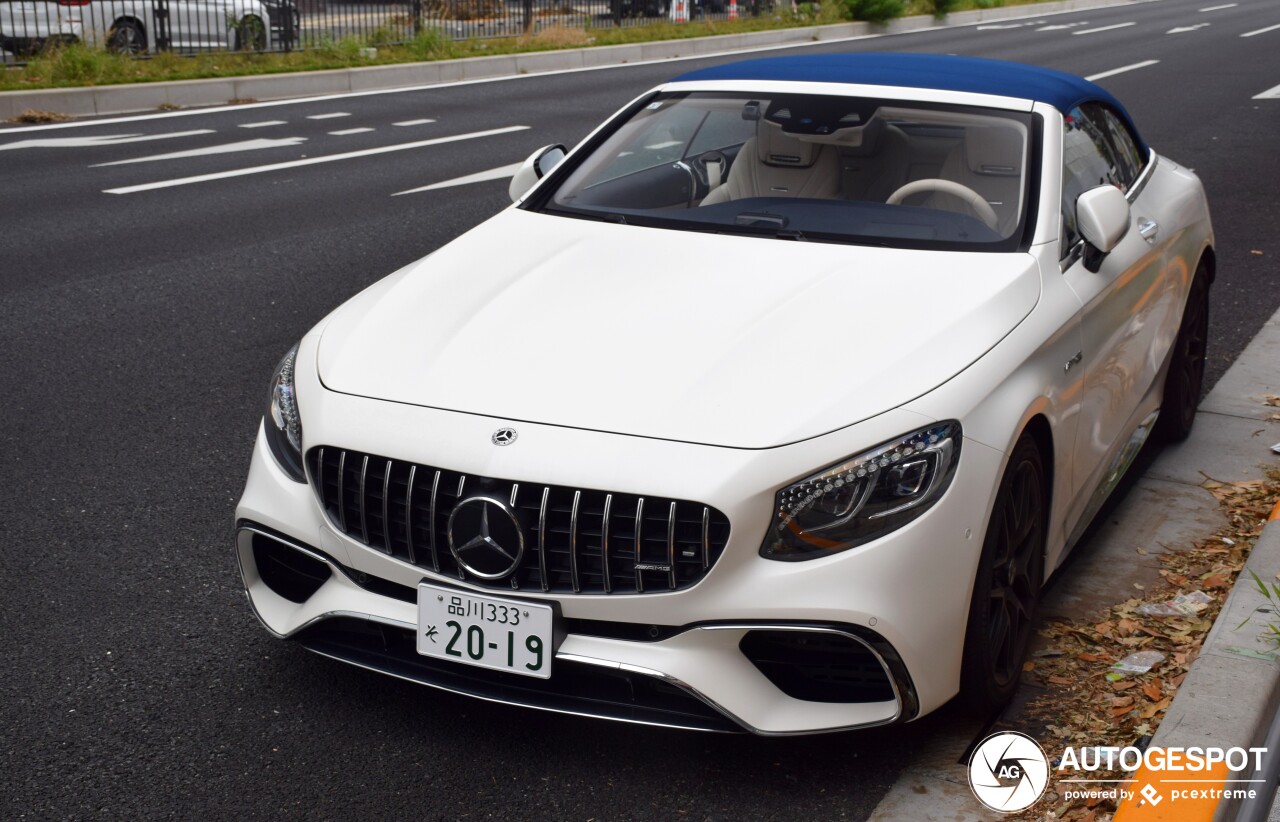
[1008, 772]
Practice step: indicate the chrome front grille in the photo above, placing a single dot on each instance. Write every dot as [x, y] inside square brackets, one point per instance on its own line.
[578, 540]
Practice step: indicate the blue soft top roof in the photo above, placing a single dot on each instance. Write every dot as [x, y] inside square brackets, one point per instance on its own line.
[973, 74]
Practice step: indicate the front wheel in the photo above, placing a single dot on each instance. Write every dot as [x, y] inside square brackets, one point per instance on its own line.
[1186, 368]
[1006, 590]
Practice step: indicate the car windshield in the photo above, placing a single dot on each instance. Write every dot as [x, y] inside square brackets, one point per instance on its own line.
[804, 166]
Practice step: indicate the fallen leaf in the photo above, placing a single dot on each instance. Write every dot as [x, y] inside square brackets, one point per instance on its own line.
[1028, 666]
[1121, 701]
[1123, 685]
[1152, 710]
[1153, 691]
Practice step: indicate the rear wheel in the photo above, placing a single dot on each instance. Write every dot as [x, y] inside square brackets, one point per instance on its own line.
[127, 37]
[1186, 368]
[1006, 590]
[251, 34]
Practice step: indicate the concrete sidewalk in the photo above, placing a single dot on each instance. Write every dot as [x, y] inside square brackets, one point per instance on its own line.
[1230, 695]
[121, 99]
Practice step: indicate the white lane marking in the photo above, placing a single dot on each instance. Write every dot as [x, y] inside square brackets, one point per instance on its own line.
[1105, 28]
[478, 177]
[310, 161]
[347, 95]
[228, 148]
[329, 116]
[98, 140]
[1113, 72]
[1269, 94]
[263, 124]
[1181, 29]
[1062, 26]
[1220, 8]
[421, 122]
[347, 131]
[1260, 31]
[992, 26]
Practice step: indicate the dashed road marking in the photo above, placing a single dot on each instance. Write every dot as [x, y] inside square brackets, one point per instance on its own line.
[1269, 94]
[344, 132]
[99, 140]
[1182, 29]
[329, 116]
[228, 148]
[421, 122]
[1113, 72]
[1105, 28]
[1220, 8]
[1260, 31]
[263, 124]
[310, 161]
[479, 177]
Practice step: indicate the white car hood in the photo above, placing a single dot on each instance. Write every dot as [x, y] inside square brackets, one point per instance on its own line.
[722, 340]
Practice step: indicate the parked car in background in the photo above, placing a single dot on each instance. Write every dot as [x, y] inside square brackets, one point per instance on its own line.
[770, 406]
[137, 26]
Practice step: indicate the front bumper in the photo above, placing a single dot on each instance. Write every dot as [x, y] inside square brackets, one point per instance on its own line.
[677, 658]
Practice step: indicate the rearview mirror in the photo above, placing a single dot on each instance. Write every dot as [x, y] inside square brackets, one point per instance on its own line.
[1102, 215]
[534, 169]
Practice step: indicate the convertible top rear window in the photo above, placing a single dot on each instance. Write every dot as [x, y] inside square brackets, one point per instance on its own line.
[804, 166]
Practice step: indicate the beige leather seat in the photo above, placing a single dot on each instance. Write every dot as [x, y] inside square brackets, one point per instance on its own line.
[775, 164]
[989, 161]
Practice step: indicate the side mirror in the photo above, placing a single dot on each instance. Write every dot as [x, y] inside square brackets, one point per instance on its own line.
[1102, 215]
[534, 169]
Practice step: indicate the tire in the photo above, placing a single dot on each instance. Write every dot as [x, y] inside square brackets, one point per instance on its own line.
[1006, 590]
[1185, 379]
[127, 37]
[251, 34]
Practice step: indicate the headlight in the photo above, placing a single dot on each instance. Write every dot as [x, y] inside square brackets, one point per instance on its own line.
[282, 423]
[864, 497]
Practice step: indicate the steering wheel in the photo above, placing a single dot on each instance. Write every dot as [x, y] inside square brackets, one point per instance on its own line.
[980, 207]
[706, 158]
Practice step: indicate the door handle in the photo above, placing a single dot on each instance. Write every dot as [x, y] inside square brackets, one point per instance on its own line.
[1148, 228]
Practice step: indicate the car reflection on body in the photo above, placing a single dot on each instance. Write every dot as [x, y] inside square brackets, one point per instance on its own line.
[769, 406]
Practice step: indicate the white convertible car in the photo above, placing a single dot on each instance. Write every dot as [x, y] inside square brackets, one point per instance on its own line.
[768, 407]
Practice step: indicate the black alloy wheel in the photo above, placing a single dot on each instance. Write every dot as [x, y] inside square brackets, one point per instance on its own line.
[1006, 591]
[1185, 379]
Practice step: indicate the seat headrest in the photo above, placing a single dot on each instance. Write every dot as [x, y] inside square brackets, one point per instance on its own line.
[994, 151]
[774, 147]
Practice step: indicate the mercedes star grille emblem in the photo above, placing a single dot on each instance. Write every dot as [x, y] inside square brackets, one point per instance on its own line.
[485, 537]
[504, 436]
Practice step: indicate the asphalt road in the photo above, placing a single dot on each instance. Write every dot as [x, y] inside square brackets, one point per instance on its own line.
[140, 327]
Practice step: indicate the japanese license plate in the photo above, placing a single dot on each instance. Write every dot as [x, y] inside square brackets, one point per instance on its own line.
[488, 632]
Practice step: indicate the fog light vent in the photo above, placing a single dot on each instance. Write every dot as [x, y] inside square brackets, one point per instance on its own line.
[818, 666]
[287, 571]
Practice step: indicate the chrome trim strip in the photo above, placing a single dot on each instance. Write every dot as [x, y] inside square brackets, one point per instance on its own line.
[320, 477]
[364, 525]
[386, 508]
[542, 540]
[515, 490]
[706, 537]
[408, 514]
[604, 545]
[639, 526]
[671, 545]
[431, 523]
[462, 482]
[342, 490]
[573, 544]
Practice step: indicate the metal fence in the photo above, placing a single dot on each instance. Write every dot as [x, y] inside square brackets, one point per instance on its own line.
[189, 26]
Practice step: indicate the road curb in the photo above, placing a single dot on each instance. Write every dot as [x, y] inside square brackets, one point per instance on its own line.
[135, 97]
